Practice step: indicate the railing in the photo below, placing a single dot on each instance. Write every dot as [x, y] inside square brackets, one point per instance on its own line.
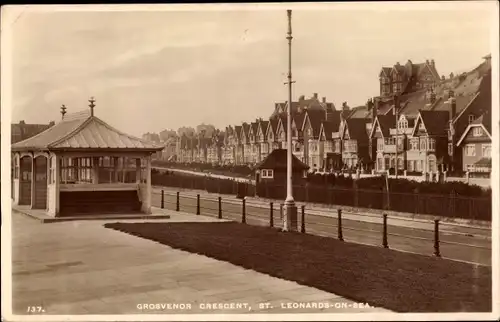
[427, 237]
[454, 206]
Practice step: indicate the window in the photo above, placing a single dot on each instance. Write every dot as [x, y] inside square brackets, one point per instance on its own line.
[486, 150]
[403, 124]
[297, 147]
[51, 170]
[432, 144]
[267, 174]
[450, 148]
[423, 144]
[16, 167]
[421, 126]
[328, 146]
[471, 118]
[380, 164]
[477, 131]
[337, 146]
[294, 133]
[414, 144]
[470, 150]
[409, 165]
[380, 144]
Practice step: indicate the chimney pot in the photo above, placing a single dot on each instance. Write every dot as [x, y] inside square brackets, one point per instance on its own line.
[22, 122]
[427, 61]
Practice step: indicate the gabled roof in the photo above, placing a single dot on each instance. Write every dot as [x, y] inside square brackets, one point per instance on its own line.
[263, 127]
[357, 129]
[386, 71]
[278, 160]
[253, 128]
[435, 122]
[298, 119]
[327, 128]
[359, 112]
[315, 118]
[272, 126]
[82, 131]
[385, 122]
[484, 122]
[245, 128]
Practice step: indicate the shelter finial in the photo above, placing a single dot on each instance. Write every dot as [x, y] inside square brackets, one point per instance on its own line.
[63, 111]
[92, 105]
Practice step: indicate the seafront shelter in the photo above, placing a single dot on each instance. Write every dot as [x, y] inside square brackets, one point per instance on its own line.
[82, 165]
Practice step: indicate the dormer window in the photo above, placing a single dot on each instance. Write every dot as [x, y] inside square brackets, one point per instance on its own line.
[477, 131]
[471, 118]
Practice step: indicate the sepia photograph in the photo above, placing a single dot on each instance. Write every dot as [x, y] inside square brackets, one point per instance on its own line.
[273, 161]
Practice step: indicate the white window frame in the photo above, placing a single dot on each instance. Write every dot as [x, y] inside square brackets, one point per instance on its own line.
[471, 118]
[486, 147]
[477, 131]
[267, 173]
[470, 150]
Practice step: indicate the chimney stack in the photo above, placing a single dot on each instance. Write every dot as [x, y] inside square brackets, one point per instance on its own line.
[453, 108]
[92, 105]
[22, 122]
[432, 62]
[396, 104]
[324, 99]
[451, 93]
[376, 104]
[369, 106]
[301, 98]
[63, 111]
[315, 95]
[427, 61]
[52, 123]
[433, 97]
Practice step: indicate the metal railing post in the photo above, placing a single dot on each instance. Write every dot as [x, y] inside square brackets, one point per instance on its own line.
[339, 225]
[162, 199]
[384, 237]
[177, 202]
[220, 207]
[198, 204]
[243, 211]
[271, 215]
[303, 222]
[437, 252]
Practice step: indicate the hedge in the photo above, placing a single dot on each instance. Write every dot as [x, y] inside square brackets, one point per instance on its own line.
[470, 202]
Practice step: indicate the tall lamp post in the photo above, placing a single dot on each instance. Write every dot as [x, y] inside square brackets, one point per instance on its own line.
[396, 110]
[290, 223]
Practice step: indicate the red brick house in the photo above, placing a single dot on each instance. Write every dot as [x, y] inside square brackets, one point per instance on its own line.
[475, 144]
[409, 77]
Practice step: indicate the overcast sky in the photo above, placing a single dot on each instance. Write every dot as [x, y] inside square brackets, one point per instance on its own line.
[154, 70]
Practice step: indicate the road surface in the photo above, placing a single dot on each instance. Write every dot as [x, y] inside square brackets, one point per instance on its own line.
[457, 242]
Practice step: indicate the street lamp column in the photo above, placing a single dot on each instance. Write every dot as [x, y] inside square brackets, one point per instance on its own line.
[290, 223]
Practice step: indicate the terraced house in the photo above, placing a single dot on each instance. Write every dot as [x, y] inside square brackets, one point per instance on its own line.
[414, 125]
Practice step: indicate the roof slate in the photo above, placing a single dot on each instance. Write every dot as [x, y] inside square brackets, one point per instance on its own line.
[81, 131]
[278, 160]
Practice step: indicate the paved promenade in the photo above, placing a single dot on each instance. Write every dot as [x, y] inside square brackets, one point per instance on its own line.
[80, 267]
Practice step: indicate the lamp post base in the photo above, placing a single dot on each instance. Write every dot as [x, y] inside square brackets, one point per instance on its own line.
[290, 222]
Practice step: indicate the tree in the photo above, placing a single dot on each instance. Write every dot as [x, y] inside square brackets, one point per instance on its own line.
[189, 131]
[165, 135]
[209, 129]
